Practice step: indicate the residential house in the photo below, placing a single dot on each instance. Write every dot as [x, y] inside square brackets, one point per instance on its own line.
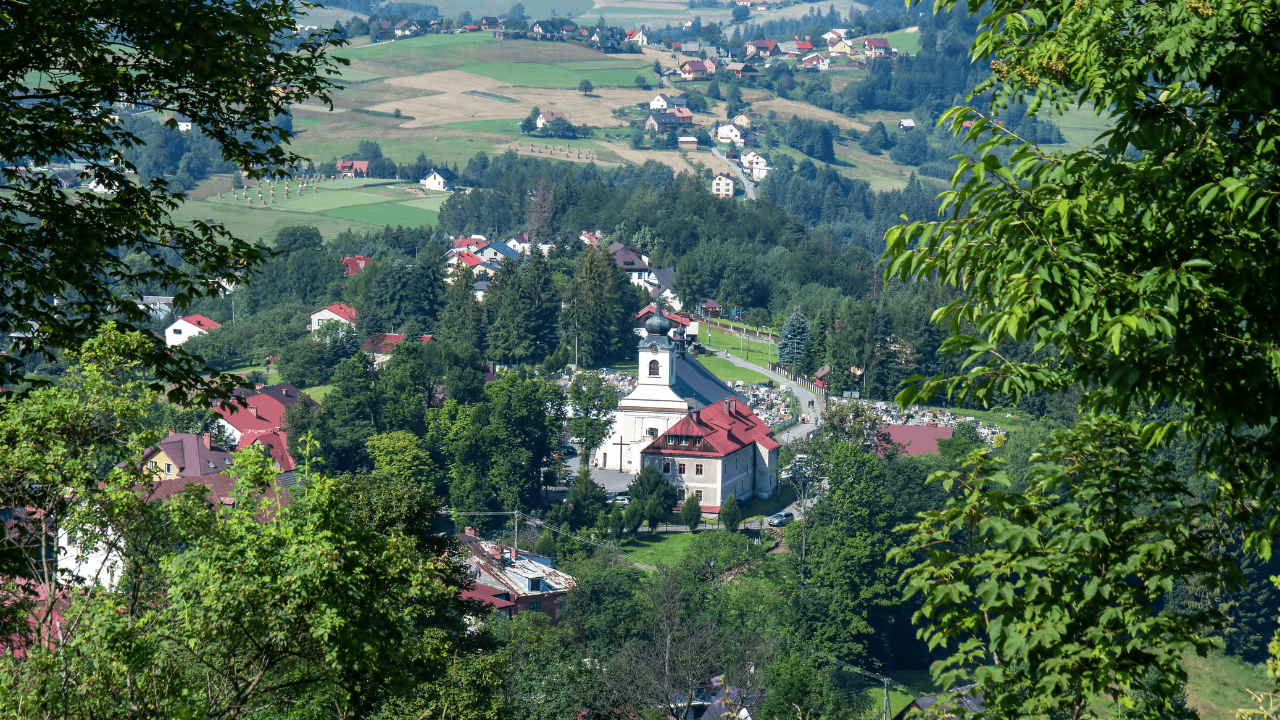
[815, 62]
[406, 28]
[661, 102]
[803, 46]
[547, 116]
[188, 327]
[741, 70]
[441, 179]
[184, 122]
[480, 287]
[352, 168]
[683, 115]
[709, 308]
[730, 134]
[755, 164]
[337, 312]
[494, 252]
[660, 287]
[521, 581]
[662, 122]
[379, 346]
[638, 37]
[687, 142]
[697, 69]
[490, 23]
[259, 419]
[722, 186]
[354, 264]
[906, 124]
[743, 121]
[760, 49]
[182, 459]
[473, 261]
[842, 46]
[919, 439]
[834, 34]
[719, 450]
[589, 238]
[876, 47]
[523, 243]
[788, 48]
[633, 262]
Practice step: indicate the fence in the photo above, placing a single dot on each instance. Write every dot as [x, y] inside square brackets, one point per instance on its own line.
[747, 331]
[802, 382]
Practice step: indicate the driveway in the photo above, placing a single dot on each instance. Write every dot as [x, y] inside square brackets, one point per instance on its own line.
[804, 396]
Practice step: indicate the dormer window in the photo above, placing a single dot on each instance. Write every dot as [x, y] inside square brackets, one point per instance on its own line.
[684, 440]
[671, 439]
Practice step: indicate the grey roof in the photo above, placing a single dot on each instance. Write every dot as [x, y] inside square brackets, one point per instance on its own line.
[502, 249]
[481, 285]
[191, 457]
[665, 276]
[287, 394]
[697, 385]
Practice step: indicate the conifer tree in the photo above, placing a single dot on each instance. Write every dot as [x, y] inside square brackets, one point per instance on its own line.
[594, 316]
[730, 514]
[462, 322]
[509, 340]
[691, 513]
[541, 307]
[796, 347]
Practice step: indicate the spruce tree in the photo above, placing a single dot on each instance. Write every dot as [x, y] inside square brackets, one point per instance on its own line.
[730, 514]
[596, 306]
[541, 306]
[507, 339]
[796, 346]
[462, 321]
[691, 513]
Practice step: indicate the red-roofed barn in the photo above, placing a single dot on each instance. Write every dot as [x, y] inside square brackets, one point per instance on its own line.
[188, 327]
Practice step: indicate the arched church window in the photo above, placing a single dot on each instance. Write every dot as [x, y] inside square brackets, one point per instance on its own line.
[654, 370]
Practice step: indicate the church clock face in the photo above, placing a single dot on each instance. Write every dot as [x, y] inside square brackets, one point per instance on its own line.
[653, 348]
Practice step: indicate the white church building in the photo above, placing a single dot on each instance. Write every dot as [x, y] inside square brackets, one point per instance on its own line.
[675, 388]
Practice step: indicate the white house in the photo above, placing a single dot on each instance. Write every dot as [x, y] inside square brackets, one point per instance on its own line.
[439, 179]
[547, 116]
[729, 134]
[188, 327]
[337, 312]
[661, 102]
[906, 124]
[754, 163]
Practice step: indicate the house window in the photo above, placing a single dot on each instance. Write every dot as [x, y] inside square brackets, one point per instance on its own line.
[177, 331]
[684, 440]
[535, 607]
[698, 494]
[168, 467]
[666, 468]
[671, 439]
[654, 369]
[680, 468]
[153, 465]
[697, 469]
[653, 432]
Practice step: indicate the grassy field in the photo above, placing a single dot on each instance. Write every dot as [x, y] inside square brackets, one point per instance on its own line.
[318, 393]
[387, 214]
[660, 548]
[1218, 685]
[553, 76]
[905, 42]
[753, 351]
[727, 371]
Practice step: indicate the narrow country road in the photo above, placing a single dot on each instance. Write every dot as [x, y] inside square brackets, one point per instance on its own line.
[750, 187]
[803, 395]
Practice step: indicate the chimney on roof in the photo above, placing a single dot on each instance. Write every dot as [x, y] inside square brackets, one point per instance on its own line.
[206, 441]
[172, 433]
[469, 530]
[515, 555]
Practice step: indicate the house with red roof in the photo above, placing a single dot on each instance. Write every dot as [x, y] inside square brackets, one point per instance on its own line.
[512, 580]
[188, 327]
[721, 450]
[259, 418]
[379, 346]
[337, 312]
[761, 48]
[352, 168]
[355, 264]
[876, 47]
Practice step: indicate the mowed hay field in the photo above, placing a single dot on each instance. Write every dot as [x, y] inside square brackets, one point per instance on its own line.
[427, 80]
[331, 206]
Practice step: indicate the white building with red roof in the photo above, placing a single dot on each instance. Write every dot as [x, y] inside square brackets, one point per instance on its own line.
[337, 312]
[188, 327]
[355, 264]
[721, 450]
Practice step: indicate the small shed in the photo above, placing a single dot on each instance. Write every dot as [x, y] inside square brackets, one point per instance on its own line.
[906, 124]
[687, 142]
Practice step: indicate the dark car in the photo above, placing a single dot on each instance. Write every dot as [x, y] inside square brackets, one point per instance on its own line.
[568, 450]
[780, 519]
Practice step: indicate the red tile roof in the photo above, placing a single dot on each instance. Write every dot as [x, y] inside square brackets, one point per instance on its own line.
[919, 439]
[353, 166]
[651, 308]
[470, 258]
[342, 310]
[385, 341]
[355, 263]
[262, 414]
[201, 322]
[877, 42]
[724, 427]
[276, 443]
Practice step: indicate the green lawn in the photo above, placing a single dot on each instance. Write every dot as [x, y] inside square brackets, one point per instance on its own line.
[727, 371]
[318, 393]
[905, 42]
[553, 76]
[387, 214]
[756, 352]
[493, 126]
[1079, 126]
[260, 223]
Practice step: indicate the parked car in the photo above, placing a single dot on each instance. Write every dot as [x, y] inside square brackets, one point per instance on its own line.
[780, 519]
[622, 499]
[568, 450]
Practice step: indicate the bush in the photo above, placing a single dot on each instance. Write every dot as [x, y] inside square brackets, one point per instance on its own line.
[730, 514]
[691, 513]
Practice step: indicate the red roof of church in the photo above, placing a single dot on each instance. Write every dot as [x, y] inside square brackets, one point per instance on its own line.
[724, 427]
[201, 322]
[342, 310]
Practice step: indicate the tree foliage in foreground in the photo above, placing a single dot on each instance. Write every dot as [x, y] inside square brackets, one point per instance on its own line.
[72, 67]
[1143, 267]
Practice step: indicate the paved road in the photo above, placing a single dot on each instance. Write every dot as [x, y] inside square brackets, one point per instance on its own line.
[803, 395]
[750, 187]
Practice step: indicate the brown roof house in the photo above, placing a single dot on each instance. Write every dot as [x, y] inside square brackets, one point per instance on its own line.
[511, 580]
